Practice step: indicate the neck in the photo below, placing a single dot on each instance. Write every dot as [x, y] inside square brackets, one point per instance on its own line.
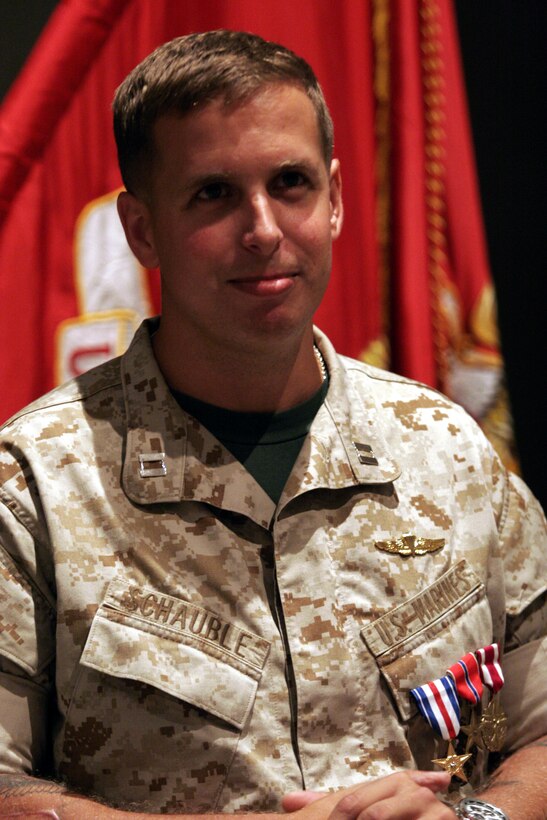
[271, 379]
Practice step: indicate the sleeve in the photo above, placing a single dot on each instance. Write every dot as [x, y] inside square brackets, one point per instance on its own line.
[523, 534]
[23, 722]
[26, 653]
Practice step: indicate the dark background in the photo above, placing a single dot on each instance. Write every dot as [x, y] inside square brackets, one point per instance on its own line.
[505, 63]
[504, 56]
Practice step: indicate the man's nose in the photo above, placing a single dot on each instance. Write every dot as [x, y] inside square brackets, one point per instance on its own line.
[261, 233]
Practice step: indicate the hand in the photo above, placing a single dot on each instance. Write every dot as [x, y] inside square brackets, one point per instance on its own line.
[408, 795]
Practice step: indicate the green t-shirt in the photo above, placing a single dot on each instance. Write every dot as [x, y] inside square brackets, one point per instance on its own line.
[267, 444]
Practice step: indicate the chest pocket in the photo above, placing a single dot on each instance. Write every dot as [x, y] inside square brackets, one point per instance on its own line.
[164, 692]
[421, 638]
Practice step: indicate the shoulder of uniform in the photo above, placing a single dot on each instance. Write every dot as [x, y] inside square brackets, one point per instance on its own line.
[409, 400]
[386, 377]
[81, 389]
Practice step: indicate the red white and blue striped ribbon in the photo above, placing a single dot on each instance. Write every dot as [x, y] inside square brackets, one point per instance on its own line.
[467, 677]
[438, 703]
[490, 669]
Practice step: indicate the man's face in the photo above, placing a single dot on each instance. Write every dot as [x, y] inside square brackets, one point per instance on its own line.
[240, 219]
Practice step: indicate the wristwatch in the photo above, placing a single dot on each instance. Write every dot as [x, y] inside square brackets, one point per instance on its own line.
[472, 809]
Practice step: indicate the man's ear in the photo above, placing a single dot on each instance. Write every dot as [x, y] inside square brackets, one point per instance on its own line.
[336, 205]
[137, 224]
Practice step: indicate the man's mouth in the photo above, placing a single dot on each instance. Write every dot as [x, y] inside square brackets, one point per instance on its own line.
[267, 285]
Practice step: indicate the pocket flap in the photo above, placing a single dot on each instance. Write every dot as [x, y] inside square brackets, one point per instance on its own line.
[421, 638]
[179, 648]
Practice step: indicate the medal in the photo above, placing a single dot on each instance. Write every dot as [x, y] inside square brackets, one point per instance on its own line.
[489, 667]
[493, 723]
[473, 732]
[438, 703]
[493, 726]
[467, 677]
[453, 763]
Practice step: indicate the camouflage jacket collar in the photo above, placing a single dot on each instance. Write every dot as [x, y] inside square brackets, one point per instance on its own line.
[170, 457]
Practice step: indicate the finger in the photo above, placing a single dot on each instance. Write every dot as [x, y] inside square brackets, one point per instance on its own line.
[354, 803]
[417, 804]
[297, 800]
[369, 793]
[328, 801]
[436, 781]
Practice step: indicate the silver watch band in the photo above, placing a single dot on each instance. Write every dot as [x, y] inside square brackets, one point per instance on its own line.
[473, 809]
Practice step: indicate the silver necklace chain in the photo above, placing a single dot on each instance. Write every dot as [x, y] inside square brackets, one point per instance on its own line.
[321, 363]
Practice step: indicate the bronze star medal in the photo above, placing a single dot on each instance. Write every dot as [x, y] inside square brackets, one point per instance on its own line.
[493, 726]
[453, 763]
[473, 732]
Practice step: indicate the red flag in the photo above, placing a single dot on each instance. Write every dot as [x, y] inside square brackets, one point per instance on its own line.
[36, 290]
[444, 327]
[47, 86]
[442, 306]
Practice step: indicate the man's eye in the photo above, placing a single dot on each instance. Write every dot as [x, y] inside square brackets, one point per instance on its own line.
[291, 179]
[213, 191]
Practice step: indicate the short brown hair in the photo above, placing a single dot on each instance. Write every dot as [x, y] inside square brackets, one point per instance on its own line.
[194, 70]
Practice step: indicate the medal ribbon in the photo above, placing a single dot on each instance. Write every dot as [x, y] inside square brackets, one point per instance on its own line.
[490, 669]
[467, 677]
[438, 703]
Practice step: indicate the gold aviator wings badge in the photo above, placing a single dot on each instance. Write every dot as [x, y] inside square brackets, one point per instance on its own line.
[409, 544]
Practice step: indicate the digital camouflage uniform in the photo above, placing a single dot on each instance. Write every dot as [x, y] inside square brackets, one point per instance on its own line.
[172, 639]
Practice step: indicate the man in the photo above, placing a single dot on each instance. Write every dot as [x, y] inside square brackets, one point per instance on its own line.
[229, 555]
